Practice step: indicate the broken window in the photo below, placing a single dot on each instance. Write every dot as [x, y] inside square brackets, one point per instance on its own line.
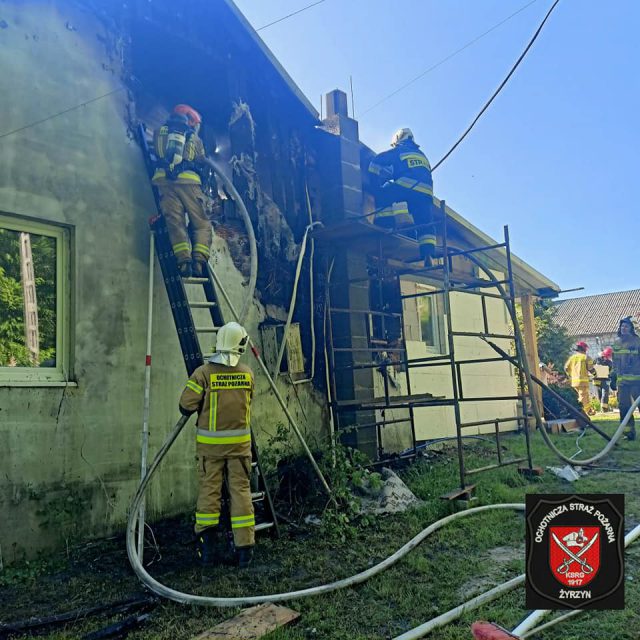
[33, 259]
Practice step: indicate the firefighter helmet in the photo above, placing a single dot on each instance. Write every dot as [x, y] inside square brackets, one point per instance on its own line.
[581, 346]
[193, 117]
[629, 321]
[400, 136]
[231, 342]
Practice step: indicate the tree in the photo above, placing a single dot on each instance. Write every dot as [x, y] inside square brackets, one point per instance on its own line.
[554, 343]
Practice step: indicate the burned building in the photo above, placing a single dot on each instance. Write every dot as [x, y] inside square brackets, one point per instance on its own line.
[80, 79]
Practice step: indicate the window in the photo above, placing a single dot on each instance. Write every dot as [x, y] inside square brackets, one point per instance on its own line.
[34, 332]
[424, 316]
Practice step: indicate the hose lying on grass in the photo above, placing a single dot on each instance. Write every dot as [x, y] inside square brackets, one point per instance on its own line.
[186, 598]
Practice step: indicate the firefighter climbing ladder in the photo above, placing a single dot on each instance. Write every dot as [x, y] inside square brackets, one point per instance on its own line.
[195, 320]
[385, 271]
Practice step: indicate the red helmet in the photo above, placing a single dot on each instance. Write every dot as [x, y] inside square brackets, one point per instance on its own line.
[607, 352]
[193, 116]
[582, 346]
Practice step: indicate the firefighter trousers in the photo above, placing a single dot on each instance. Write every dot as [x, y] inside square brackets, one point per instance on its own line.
[176, 199]
[583, 395]
[627, 393]
[210, 476]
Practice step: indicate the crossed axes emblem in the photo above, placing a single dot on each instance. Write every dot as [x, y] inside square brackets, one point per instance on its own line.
[574, 557]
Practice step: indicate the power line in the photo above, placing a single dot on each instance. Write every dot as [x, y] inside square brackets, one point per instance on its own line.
[289, 15]
[445, 59]
[497, 91]
[60, 113]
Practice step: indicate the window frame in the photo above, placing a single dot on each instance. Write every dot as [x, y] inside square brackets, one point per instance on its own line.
[60, 375]
[437, 314]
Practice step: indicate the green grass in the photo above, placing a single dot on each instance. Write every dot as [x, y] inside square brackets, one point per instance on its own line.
[455, 563]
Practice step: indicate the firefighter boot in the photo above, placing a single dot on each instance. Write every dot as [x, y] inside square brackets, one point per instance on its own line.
[206, 547]
[244, 556]
[184, 269]
[428, 254]
[199, 268]
[631, 434]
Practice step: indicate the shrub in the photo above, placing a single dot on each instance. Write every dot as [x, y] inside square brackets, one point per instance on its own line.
[553, 409]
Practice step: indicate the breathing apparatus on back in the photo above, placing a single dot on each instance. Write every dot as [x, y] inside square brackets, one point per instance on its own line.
[182, 123]
[177, 135]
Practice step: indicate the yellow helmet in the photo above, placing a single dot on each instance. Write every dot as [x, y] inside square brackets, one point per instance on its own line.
[401, 135]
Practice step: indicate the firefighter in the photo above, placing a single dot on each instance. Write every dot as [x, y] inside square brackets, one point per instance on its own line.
[180, 153]
[578, 367]
[626, 370]
[404, 190]
[602, 383]
[220, 391]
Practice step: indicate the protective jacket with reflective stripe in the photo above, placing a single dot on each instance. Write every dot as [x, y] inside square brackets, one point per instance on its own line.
[577, 368]
[406, 165]
[193, 151]
[626, 359]
[222, 397]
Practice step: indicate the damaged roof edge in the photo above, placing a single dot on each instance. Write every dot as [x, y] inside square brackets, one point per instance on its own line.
[272, 59]
[529, 279]
[532, 279]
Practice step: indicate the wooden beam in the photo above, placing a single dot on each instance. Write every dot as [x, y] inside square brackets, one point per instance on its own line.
[251, 623]
[531, 349]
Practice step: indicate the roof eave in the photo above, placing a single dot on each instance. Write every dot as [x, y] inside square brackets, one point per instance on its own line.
[293, 87]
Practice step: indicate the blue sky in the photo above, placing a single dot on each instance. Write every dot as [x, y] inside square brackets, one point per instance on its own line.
[554, 157]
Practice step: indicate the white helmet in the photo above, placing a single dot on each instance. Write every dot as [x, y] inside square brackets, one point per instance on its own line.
[401, 135]
[231, 343]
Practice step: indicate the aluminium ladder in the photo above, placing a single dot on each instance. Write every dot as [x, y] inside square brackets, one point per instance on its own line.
[184, 308]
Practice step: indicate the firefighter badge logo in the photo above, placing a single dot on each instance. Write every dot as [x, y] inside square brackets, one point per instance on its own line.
[575, 547]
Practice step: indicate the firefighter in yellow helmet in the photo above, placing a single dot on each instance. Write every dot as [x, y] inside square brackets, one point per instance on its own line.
[404, 190]
[179, 153]
[220, 391]
[578, 367]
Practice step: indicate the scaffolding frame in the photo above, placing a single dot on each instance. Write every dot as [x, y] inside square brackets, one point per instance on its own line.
[383, 269]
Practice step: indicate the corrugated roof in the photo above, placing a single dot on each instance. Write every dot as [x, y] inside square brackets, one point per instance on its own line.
[595, 315]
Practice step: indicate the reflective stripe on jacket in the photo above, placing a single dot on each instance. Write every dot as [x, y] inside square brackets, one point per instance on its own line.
[406, 165]
[193, 150]
[626, 359]
[222, 396]
[577, 368]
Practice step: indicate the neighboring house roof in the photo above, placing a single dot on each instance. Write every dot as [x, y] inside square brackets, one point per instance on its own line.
[597, 315]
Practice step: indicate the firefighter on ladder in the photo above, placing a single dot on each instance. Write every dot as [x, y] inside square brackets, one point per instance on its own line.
[404, 193]
[180, 151]
[220, 391]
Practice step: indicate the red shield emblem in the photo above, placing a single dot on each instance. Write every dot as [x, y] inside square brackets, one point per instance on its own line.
[574, 554]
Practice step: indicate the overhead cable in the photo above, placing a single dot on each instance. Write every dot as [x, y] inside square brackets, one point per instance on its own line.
[445, 59]
[60, 113]
[497, 91]
[264, 26]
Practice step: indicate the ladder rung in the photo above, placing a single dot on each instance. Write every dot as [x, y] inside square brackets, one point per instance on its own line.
[195, 280]
[202, 305]
[258, 495]
[264, 525]
[206, 329]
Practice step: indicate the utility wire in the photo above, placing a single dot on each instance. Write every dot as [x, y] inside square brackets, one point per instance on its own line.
[445, 59]
[60, 113]
[291, 14]
[497, 91]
